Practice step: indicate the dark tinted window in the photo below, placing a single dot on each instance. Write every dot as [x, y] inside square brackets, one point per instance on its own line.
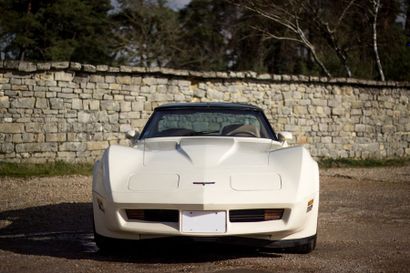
[207, 122]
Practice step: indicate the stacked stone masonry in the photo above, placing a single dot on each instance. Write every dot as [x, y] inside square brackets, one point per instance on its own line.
[72, 112]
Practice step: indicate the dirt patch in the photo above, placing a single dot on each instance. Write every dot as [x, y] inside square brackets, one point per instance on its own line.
[364, 226]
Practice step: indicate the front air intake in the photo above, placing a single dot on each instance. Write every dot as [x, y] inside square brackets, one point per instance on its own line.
[255, 215]
[153, 215]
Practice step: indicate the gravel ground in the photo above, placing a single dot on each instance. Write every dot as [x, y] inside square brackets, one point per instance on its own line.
[364, 226]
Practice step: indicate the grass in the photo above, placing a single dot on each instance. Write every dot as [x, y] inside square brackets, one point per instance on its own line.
[362, 163]
[58, 168]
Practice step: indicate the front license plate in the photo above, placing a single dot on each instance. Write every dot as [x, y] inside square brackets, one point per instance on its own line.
[204, 221]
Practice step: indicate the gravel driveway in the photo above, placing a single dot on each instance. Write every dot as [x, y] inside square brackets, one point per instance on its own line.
[364, 226]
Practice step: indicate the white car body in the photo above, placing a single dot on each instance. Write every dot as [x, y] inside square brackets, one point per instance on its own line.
[204, 180]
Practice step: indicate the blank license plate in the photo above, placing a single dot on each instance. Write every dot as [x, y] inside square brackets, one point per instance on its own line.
[204, 221]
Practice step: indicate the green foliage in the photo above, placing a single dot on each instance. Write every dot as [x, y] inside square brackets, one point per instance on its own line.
[61, 168]
[396, 55]
[362, 163]
[56, 30]
[211, 35]
[203, 43]
[58, 168]
[147, 32]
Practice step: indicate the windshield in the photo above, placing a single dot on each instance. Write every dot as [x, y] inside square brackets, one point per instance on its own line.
[208, 122]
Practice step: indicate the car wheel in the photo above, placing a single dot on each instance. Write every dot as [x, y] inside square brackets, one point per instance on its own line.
[104, 244]
[305, 248]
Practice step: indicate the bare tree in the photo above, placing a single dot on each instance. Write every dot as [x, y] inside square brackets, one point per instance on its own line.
[374, 11]
[299, 15]
[288, 16]
[328, 31]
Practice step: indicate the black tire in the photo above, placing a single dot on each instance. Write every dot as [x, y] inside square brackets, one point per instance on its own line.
[295, 246]
[104, 244]
[305, 248]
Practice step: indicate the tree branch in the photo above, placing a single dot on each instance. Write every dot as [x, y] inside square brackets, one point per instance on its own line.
[341, 17]
[282, 21]
[289, 20]
[273, 36]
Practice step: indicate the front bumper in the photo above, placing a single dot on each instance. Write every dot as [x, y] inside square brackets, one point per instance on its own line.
[296, 223]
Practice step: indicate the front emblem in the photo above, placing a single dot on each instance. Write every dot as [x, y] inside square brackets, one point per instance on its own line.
[203, 183]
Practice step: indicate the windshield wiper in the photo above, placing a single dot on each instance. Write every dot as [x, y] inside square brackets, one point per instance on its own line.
[203, 133]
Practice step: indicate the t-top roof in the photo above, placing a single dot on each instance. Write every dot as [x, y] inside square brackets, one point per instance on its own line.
[214, 105]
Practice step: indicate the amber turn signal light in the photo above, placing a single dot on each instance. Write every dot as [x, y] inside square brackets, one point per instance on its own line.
[310, 205]
[135, 214]
[273, 214]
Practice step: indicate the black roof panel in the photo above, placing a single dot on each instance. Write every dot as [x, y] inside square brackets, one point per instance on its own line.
[218, 105]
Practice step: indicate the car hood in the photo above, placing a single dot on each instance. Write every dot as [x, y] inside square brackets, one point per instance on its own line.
[205, 170]
[206, 152]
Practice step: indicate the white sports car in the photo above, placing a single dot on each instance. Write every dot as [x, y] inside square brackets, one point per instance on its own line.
[214, 171]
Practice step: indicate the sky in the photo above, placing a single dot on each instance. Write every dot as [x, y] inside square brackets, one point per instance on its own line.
[177, 4]
[173, 4]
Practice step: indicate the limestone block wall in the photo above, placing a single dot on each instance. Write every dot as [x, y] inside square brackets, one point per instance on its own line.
[69, 111]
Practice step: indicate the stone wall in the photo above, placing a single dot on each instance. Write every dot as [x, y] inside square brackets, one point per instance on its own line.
[68, 111]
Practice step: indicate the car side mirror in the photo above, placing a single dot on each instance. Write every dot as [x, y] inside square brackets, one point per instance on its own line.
[285, 136]
[132, 135]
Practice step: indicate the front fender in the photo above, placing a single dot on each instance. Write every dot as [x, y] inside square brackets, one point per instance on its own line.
[298, 170]
[112, 172]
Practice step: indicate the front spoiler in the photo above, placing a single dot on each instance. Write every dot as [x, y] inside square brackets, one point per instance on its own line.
[224, 240]
[275, 244]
